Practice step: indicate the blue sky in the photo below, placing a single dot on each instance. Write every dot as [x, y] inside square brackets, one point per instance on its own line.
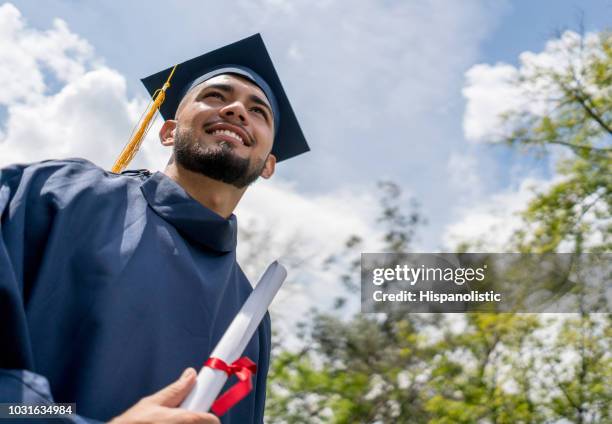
[526, 25]
[377, 85]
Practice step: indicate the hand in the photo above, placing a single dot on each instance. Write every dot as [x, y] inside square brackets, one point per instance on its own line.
[161, 407]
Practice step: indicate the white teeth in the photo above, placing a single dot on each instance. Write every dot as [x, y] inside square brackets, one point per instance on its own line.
[228, 133]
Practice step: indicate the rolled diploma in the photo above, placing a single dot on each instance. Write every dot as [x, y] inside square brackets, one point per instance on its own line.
[210, 381]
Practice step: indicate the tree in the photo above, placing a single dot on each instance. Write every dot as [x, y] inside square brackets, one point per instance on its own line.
[480, 368]
[570, 105]
[573, 214]
[366, 369]
[400, 367]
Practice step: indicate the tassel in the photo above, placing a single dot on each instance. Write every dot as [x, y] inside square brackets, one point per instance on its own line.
[130, 149]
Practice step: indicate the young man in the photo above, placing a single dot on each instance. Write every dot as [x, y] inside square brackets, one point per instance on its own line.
[112, 284]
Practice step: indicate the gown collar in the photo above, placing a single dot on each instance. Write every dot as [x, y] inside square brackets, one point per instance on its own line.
[193, 220]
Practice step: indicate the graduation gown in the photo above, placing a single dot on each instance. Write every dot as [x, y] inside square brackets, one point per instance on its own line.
[111, 285]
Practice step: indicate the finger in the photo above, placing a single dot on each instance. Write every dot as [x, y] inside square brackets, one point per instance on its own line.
[173, 394]
[211, 419]
[204, 418]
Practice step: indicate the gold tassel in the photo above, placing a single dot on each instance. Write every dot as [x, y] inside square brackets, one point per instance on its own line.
[130, 149]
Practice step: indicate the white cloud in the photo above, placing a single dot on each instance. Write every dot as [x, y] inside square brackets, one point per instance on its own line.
[304, 231]
[490, 91]
[25, 54]
[335, 216]
[493, 90]
[464, 176]
[87, 117]
[60, 101]
[489, 224]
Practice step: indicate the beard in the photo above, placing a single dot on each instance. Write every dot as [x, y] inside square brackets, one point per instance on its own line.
[218, 162]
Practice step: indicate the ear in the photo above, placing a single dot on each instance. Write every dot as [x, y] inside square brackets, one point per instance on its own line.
[166, 133]
[268, 169]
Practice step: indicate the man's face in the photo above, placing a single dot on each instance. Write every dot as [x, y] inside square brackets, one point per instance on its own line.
[225, 130]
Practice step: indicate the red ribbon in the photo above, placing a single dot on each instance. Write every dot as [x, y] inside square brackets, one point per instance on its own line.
[243, 368]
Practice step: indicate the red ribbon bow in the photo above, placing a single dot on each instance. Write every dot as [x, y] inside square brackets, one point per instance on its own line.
[243, 368]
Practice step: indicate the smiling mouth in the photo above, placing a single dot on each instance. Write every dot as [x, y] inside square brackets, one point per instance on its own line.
[229, 135]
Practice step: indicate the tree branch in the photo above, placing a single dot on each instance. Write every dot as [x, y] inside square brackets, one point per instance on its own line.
[578, 146]
[567, 395]
[583, 99]
[583, 102]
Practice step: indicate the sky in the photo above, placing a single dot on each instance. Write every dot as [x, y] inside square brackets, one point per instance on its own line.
[385, 90]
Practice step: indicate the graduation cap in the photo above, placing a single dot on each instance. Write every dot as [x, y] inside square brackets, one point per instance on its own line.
[248, 58]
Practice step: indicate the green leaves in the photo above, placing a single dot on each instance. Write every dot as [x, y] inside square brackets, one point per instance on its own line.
[479, 368]
[576, 209]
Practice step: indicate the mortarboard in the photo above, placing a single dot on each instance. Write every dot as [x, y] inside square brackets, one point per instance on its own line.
[248, 58]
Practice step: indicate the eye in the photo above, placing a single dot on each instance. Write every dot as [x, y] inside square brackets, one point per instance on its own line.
[214, 94]
[259, 110]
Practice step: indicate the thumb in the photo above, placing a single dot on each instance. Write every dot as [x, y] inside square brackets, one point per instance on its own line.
[173, 394]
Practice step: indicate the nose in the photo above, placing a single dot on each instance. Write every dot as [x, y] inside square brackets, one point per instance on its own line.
[235, 111]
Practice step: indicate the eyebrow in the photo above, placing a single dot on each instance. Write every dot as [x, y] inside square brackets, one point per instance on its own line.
[229, 89]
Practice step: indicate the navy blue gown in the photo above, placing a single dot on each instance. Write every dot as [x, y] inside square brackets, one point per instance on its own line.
[111, 285]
